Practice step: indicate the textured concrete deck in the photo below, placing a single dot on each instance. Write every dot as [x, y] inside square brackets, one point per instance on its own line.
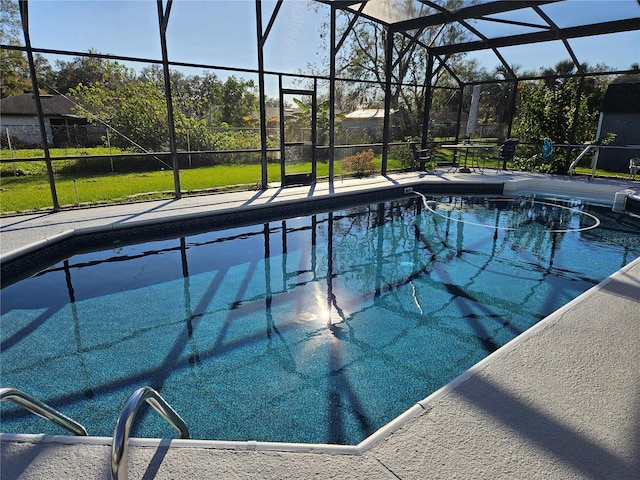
[561, 401]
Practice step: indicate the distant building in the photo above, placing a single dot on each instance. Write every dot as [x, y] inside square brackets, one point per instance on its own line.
[19, 122]
[370, 120]
[620, 114]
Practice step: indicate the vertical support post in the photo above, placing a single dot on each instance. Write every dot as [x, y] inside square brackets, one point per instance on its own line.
[9, 140]
[574, 124]
[163, 20]
[314, 131]
[282, 132]
[428, 95]
[512, 112]
[189, 148]
[109, 145]
[576, 111]
[332, 93]
[24, 16]
[459, 119]
[261, 92]
[388, 70]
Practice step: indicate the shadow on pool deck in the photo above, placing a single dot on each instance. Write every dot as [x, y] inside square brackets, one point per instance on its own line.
[561, 401]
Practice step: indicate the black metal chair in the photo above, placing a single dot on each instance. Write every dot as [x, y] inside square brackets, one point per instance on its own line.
[506, 153]
[421, 158]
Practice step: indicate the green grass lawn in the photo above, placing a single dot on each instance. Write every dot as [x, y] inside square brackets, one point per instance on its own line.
[38, 167]
[60, 152]
[32, 192]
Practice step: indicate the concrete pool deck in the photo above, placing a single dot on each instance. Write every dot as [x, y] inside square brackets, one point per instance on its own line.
[560, 401]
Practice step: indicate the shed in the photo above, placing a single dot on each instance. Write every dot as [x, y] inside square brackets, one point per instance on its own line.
[369, 120]
[620, 114]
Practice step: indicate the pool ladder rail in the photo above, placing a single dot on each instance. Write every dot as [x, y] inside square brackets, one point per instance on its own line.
[123, 424]
[42, 410]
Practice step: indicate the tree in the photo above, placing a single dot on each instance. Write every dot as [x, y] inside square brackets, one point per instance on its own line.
[14, 69]
[236, 101]
[362, 57]
[135, 108]
[85, 70]
[558, 75]
[499, 95]
[549, 108]
[45, 74]
[193, 95]
[302, 120]
[230, 103]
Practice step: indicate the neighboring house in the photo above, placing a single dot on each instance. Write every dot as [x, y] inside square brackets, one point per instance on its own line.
[366, 119]
[19, 125]
[273, 115]
[620, 114]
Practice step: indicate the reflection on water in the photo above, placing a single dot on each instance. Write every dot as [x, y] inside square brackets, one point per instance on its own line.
[316, 329]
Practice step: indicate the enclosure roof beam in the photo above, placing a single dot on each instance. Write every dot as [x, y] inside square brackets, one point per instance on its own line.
[474, 11]
[353, 21]
[265, 34]
[341, 3]
[604, 28]
[555, 28]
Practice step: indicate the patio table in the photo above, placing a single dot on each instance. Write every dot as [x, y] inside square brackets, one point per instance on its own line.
[474, 147]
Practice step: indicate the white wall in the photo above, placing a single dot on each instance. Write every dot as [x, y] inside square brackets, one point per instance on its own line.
[23, 129]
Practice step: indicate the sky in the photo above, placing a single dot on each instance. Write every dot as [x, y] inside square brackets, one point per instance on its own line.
[223, 32]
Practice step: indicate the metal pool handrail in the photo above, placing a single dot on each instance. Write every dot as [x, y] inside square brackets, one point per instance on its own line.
[123, 426]
[587, 148]
[42, 410]
[584, 152]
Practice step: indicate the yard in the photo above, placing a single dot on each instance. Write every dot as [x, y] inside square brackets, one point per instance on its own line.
[25, 187]
[29, 189]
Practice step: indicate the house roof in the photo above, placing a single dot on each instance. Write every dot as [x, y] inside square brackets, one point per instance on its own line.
[622, 95]
[368, 113]
[24, 104]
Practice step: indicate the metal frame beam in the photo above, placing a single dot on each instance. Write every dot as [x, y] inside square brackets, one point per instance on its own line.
[475, 11]
[24, 18]
[604, 28]
[261, 37]
[163, 22]
[388, 72]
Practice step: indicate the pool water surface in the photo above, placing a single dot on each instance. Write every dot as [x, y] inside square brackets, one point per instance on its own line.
[316, 329]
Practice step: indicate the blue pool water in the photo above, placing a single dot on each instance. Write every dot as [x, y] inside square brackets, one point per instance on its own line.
[318, 329]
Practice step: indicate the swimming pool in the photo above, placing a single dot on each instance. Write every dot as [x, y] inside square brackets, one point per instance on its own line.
[317, 329]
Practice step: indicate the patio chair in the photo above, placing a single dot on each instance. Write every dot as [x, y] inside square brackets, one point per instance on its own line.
[634, 167]
[421, 158]
[506, 152]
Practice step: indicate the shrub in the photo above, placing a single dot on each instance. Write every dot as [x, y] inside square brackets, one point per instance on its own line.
[361, 164]
[402, 153]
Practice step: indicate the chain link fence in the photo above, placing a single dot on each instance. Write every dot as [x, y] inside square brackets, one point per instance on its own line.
[60, 134]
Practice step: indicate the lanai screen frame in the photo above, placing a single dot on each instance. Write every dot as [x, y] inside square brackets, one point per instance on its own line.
[481, 11]
[437, 59]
